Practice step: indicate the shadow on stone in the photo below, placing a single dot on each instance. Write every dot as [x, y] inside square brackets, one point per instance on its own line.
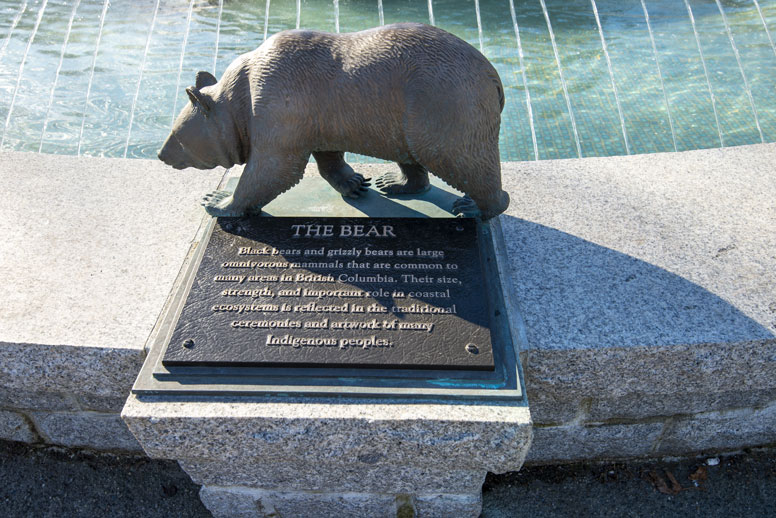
[575, 294]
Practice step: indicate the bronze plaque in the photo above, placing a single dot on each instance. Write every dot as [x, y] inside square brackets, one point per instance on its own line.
[387, 293]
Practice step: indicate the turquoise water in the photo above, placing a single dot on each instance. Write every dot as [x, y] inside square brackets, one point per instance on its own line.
[102, 78]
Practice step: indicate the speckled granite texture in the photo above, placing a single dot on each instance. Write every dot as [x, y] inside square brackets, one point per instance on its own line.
[646, 284]
[348, 453]
[90, 250]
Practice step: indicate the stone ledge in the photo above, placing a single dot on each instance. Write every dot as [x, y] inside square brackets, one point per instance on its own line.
[51, 377]
[15, 427]
[638, 382]
[85, 430]
[644, 283]
[240, 502]
[717, 431]
[365, 474]
[93, 249]
[453, 436]
[579, 443]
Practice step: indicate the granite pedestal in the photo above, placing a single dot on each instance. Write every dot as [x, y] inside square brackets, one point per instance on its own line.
[300, 455]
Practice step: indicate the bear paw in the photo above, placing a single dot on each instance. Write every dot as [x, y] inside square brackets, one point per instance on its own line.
[353, 186]
[220, 204]
[396, 182]
[465, 207]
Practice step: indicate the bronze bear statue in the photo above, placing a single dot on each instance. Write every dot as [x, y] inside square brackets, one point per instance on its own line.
[409, 93]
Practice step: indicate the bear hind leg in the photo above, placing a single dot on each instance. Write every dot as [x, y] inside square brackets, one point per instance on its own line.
[412, 179]
[333, 168]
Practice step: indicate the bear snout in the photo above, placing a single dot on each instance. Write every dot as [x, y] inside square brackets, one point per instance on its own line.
[170, 153]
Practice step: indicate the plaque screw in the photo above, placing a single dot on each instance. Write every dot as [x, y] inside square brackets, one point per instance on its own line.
[188, 344]
[472, 349]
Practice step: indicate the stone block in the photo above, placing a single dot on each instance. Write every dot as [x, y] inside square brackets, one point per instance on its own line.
[553, 408]
[85, 430]
[86, 279]
[236, 502]
[646, 250]
[577, 443]
[14, 427]
[96, 272]
[641, 382]
[718, 431]
[446, 436]
[367, 474]
[46, 377]
[448, 506]
[105, 404]
[640, 405]
[22, 399]
[644, 282]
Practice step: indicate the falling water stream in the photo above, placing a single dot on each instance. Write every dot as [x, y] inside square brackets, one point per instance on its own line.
[180, 64]
[705, 72]
[765, 25]
[298, 13]
[21, 70]
[611, 77]
[56, 74]
[659, 73]
[431, 12]
[479, 23]
[741, 69]
[380, 14]
[562, 81]
[105, 6]
[218, 33]
[336, 15]
[266, 21]
[525, 81]
[140, 77]
[14, 23]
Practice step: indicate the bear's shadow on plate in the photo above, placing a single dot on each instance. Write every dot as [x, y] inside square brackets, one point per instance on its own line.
[378, 205]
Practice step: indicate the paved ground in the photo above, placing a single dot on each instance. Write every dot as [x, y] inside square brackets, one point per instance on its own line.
[44, 481]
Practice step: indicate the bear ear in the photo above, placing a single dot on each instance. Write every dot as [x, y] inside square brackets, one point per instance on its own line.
[204, 79]
[198, 98]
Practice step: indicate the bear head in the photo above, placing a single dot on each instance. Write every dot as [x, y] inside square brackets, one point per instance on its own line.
[200, 136]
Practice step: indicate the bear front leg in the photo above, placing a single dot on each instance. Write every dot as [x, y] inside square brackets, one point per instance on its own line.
[261, 182]
[333, 168]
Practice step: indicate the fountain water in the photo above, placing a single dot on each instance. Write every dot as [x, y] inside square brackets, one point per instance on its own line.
[105, 6]
[705, 72]
[218, 33]
[266, 20]
[562, 81]
[525, 81]
[56, 75]
[336, 15]
[659, 73]
[180, 64]
[140, 77]
[741, 69]
[765, 25]
[431, 12]
[479, 22]
[21, 70]
[611, 77]
[380, 12]
[14, 23]
[298, 13]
